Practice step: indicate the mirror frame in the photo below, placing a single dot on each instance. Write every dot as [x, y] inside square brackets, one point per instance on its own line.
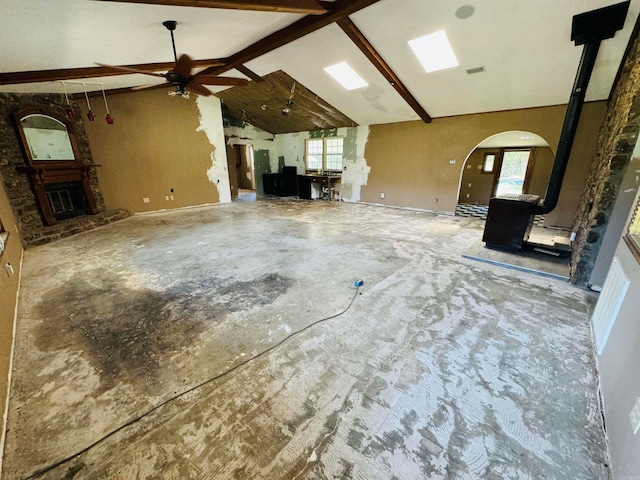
[44, 163]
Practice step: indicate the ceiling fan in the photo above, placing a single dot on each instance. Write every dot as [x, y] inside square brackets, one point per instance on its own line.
[180, 76]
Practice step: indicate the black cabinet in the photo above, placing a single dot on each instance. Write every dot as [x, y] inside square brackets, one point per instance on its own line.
[281, 184]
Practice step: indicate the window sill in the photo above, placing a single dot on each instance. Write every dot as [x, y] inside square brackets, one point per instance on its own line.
[633, 242]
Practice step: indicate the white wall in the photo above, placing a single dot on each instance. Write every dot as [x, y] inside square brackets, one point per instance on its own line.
[619, 367]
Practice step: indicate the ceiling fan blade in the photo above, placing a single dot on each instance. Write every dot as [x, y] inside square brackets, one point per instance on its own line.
[130, 70]
[183, 66]
[151, 85]
[223, 81]
[196, 87]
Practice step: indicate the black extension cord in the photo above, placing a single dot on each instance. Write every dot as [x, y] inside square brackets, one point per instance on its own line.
[357, 284]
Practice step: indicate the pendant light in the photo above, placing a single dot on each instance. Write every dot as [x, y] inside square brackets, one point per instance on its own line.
[108, 118]
[91, 116]
[71, 113]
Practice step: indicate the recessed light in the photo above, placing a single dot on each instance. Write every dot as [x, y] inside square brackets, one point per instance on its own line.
[434, 51]
[346, 76]
[465, 11]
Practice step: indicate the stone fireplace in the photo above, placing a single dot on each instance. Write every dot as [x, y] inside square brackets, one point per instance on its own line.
[51, 197]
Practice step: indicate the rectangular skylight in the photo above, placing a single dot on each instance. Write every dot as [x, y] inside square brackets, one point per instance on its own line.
[346, 76]
[434, 51]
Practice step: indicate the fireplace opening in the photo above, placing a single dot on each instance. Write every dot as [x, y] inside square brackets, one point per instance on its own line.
[67, 199]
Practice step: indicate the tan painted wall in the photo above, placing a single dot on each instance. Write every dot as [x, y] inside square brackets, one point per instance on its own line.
[8, 289]
[410, 161]
[152, 147]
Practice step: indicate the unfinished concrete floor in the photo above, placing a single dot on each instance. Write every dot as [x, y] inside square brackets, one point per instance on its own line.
[443, 368]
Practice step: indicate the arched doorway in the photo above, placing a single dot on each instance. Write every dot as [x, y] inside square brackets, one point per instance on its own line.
[512, 162]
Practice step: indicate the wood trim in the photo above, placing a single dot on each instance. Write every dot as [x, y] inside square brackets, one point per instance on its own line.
[633, 242]
[249, 73]
[12, 78]
[529, 173]
[296, 30]
[306, 7]
[357, 37]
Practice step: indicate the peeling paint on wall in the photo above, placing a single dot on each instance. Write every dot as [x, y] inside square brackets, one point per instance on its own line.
[211, 124]
[355, 171]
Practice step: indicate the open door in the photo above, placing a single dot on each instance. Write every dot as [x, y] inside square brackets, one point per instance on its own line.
[514, 172]
[232, 169]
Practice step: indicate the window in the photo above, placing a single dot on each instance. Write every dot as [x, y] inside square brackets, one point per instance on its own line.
[514, 167]
[3, 238]
[324, 153]
[489, 163]
[632, 238]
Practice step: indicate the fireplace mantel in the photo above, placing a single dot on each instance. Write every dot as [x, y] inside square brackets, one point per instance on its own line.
[52, 156]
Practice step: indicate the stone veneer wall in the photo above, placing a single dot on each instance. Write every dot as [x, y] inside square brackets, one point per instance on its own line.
[618, 136]
[17, 183]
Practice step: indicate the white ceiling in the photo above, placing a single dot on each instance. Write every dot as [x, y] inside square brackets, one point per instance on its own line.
[524, 46]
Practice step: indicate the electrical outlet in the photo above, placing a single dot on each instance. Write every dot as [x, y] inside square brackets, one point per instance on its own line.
[382, 195]
[170, 197]
[9, 269]
[145, 200]
[166, 197]
[634, 416]
[452, 162]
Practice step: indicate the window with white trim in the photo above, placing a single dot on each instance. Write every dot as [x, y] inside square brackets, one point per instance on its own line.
[324, 153]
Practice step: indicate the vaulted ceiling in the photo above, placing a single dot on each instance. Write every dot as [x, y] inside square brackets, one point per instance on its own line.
[523, 46]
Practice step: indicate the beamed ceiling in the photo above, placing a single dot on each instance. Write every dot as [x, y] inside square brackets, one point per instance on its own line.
[523, 47]
[278, 104]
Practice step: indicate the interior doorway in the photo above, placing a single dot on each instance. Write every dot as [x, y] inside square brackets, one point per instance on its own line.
[514, 162]
[242, 176]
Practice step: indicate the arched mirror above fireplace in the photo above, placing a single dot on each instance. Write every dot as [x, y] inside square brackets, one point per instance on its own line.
[60, 179]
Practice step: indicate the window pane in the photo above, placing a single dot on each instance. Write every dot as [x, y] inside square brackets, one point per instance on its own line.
[512, 172]
[314, 154]
[334, 153]
[334, 162]
[314, 162]
[334, 145]
[489, 162]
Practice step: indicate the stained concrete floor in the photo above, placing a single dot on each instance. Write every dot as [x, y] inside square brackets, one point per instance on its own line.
[443, 368]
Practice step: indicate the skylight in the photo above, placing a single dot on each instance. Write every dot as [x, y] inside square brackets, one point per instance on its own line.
[346, 76]
[434, 51]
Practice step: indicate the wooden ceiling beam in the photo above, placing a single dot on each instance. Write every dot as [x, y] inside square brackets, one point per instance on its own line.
[306, 7]
[12, 78]
[304, 26]
[249, 73]
[357, 37]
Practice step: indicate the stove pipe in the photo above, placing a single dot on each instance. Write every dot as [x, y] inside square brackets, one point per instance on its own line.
[590, 29]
